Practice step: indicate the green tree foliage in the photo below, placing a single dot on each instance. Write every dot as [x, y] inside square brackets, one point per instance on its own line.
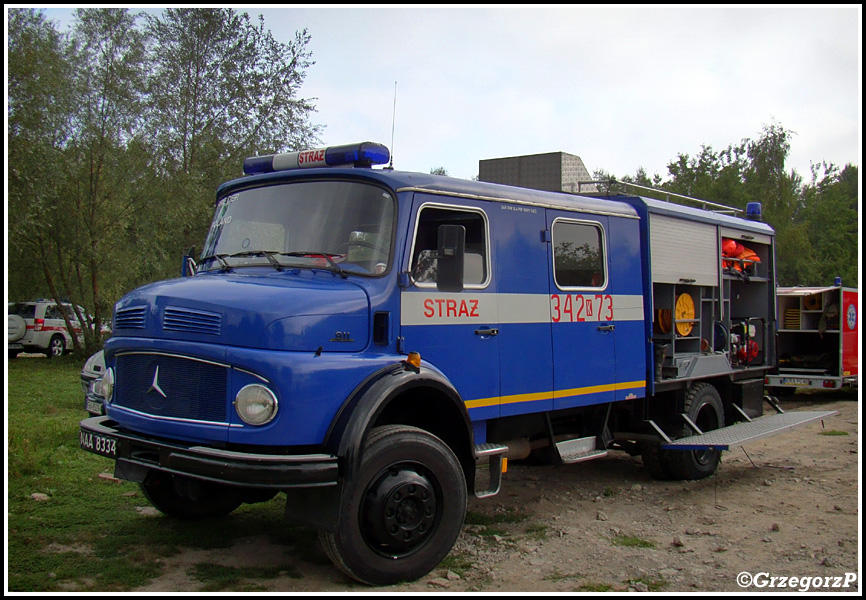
[827, 222]
[41, 101]
[120, 132]
[102, 188]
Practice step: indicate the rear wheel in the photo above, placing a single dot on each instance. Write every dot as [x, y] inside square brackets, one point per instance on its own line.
[188, 498]
[703, 405]
[56, 347]
[402, 511]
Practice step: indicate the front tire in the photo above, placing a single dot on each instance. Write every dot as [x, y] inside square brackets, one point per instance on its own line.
[189, 499]
[402, 511]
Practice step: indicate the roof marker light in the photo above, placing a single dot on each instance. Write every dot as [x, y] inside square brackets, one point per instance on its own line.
[364, 154]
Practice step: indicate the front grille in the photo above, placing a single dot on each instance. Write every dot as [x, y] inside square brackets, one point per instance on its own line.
[186, 320]
[130, 318]
[172, 386]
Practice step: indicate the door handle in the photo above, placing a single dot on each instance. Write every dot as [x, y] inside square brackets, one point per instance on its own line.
[606, 327]
[486, 332]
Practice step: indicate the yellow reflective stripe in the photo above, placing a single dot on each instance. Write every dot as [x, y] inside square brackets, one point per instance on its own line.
[483, 402]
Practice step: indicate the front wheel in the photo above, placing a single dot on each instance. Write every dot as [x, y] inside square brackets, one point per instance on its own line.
[189, 499]
[402, 511]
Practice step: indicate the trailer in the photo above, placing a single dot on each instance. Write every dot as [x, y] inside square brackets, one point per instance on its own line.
[817, 339]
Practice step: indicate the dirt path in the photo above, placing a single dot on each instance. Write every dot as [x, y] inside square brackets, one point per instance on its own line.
[787, 509]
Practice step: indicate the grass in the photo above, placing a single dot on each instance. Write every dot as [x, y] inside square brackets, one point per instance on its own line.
[220, 577]
[594, 587]
[537, 532]
[628, 541]
[88, 534]
[458, 562]
[556, 576]
[654, 585]
[832, 432]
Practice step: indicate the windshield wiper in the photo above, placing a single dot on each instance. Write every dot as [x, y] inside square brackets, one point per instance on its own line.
[334, 266]
[221, 257]
[266, 253]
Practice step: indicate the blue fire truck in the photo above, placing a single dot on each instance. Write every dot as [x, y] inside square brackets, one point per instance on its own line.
[368, 342]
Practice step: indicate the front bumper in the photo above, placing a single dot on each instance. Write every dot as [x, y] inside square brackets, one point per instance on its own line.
[93, 403]
[137, 454]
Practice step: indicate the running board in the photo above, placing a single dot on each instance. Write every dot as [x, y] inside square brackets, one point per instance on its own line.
[579, 450]
[742, 433]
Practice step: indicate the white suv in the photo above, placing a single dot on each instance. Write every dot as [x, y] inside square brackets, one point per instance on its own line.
[38, 326]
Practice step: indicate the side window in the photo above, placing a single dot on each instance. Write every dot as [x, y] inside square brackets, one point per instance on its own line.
[476, 262]
[52, 312]
[578, 255]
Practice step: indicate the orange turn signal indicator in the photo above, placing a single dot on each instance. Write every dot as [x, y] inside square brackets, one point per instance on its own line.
[414, 360]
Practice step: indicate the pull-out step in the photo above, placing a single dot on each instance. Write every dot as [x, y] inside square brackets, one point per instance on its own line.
[579, 450]
[741, 433]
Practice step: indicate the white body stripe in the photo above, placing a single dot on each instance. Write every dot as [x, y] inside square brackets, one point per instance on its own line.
[433, 308]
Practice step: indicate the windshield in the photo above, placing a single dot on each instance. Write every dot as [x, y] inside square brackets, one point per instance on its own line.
[338, 225]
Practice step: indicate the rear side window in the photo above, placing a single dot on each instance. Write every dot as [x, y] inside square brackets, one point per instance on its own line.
[476, 261]
[25, 311]
[578, 255]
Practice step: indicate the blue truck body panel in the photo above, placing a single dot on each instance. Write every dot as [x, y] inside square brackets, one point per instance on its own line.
[280, 325]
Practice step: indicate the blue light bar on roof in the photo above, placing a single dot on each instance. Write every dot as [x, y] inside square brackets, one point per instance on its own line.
[364, 154]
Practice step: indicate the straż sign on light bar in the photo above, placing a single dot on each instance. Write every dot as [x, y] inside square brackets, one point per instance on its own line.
[364, 154]
[312, 158]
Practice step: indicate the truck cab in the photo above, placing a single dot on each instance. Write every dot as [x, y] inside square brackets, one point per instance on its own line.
[361, 340]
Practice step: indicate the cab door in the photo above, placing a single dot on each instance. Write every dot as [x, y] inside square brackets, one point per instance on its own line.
[455, 332]
[582, 310]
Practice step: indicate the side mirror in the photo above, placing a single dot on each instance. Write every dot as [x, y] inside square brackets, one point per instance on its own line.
[187, 267]
[451, 250]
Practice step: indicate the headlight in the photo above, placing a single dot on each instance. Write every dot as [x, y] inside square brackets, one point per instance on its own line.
[107, 385]
[256, 404]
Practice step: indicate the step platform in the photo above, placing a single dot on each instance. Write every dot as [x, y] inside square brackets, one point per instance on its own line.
[579, 450]
[742, 433]
[494, 455]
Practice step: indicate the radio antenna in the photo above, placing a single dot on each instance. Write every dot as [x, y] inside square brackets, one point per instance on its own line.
[393, 119]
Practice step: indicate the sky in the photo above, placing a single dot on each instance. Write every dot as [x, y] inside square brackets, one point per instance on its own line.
[623, 87]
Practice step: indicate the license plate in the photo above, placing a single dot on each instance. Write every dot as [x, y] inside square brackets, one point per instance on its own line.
[94, 407]
[98, 444]
[793, 381]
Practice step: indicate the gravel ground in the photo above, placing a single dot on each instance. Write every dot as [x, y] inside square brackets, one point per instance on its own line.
[786, 507]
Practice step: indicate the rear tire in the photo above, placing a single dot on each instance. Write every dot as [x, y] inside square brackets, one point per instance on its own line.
[703, 405]
[189, 499]
[655, 460]
[402, 511]
[56, 347]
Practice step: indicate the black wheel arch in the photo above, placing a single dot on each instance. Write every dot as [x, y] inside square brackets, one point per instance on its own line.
[401, 395]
